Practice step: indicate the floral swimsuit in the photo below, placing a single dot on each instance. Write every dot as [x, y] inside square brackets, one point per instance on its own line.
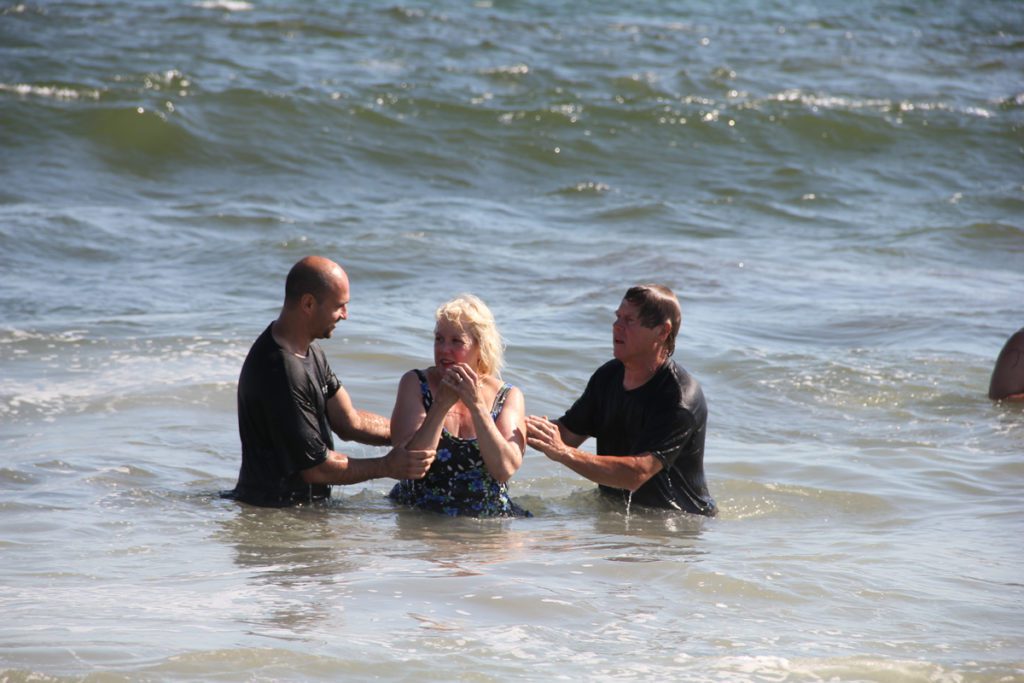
[458, 482]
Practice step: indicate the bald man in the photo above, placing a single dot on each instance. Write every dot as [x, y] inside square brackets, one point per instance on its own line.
[290, 402]
[1007, 383]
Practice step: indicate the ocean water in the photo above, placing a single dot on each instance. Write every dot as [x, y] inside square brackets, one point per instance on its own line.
[835, 190]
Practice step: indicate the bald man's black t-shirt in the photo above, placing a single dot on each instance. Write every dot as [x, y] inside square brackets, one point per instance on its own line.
[666, 417]
[282, 422]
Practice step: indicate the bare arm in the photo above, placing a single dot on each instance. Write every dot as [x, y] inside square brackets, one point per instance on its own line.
[411, 424]
[371, 429]
[399, 463]
[503, 441]
[552, 439]
[357, 425]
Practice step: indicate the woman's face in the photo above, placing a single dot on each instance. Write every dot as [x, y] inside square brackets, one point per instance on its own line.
[453, 344]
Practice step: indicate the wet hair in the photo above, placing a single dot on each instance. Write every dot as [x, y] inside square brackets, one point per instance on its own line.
[472, 315]
[657, 304]
[308, 276]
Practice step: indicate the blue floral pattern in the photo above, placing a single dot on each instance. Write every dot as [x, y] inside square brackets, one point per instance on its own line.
[458, 482]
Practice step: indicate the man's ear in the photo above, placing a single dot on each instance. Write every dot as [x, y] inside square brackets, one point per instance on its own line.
[665, 331]
[307, 303]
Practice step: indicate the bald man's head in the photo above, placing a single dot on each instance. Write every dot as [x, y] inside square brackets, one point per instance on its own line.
[314, 275]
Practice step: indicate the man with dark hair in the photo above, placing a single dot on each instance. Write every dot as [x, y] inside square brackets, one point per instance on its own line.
[647, 413]
[289, 402]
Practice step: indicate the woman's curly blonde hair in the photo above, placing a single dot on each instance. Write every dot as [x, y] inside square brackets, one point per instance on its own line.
[471, 314]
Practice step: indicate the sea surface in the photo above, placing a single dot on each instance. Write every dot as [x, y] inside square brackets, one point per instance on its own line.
[835, 190]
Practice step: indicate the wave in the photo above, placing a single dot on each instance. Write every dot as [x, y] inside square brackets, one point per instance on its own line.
[585, 188]
[100, 375]
[124, 132]
[225, 5]
[994, 235]
[531, 120]
[55, 91]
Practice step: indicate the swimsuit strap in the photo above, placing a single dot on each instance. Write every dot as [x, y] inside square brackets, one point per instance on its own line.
[499, 400]
[428, 399]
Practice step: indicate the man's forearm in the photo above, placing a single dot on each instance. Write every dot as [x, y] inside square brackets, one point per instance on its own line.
[338, 468]
[627, 472]
[370, 429]
[399, 463]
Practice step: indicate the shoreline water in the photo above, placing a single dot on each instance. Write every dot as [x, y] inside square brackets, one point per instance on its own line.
[833, 190]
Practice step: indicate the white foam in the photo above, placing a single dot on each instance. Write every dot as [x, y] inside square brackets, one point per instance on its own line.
[510, 70]
[225, 5]
[52, 91]
[84, 374]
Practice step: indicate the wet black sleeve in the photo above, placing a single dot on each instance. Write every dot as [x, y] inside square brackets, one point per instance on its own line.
[324, 371]
[666, 435]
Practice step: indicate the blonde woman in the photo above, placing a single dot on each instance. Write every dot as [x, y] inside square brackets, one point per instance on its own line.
[461, 406]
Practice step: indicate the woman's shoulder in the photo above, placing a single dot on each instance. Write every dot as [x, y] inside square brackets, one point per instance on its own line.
[413, 379]
[497, 384]
[507, 394]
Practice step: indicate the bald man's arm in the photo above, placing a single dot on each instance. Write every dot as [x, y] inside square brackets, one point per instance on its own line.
[399, 463]
[357, 425]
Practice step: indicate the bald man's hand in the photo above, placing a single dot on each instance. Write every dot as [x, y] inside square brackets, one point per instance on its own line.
[402, 463]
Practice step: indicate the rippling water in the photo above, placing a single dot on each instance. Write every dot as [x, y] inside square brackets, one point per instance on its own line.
[834, 189]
